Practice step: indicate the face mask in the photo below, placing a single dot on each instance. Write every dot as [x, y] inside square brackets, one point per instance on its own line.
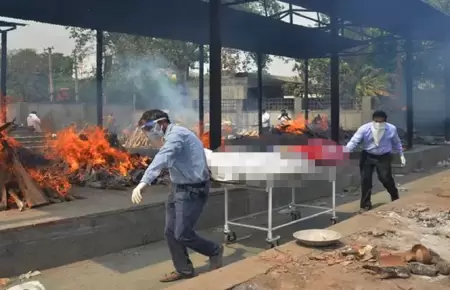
[158, 131]
[155, 138]
[155, 132]
[379, 126]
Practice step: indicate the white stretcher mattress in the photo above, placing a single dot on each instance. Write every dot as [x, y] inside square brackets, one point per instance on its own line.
[269, 167]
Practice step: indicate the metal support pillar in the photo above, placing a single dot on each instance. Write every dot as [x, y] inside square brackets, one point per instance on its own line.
[260, 91]
[4, 61]
[334, 83]
[201, 89]
[99, 77]
[291, 14]
[215, 76]
[409, 93]
[306, 81]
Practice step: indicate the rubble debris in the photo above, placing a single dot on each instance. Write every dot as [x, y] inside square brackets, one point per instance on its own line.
[401, 188]
[443, 268]
[4, 281]
[421, 254]
[362, 253]
[421, 214]
[29, 275]
[391, 260]
[377, 233]
[248, 286]
[389, 272]
[422, 269]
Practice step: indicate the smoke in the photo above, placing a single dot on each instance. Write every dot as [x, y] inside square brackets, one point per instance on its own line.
[155, 87]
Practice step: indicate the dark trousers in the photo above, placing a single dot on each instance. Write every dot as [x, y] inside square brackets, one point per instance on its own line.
[382, 164]
[183, 208]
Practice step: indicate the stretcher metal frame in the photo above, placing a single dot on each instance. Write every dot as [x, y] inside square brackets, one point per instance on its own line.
[291, 208]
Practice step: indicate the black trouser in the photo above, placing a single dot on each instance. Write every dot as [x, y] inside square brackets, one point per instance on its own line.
[382, 164]
[184, 206]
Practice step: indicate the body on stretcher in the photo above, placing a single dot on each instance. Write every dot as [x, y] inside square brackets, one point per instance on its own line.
[268, 170]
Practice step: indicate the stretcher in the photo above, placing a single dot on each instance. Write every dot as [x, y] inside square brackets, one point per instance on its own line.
[265, 172]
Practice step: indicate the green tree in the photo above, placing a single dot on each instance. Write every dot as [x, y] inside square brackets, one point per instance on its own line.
[28, 74]
[135, 58]
[358, 79]
[234, 60]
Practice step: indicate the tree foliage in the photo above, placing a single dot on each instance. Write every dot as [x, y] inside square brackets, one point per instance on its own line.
[179, 55]
[28, 74]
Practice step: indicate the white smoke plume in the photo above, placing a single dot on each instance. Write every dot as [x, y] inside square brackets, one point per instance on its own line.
[153, 81]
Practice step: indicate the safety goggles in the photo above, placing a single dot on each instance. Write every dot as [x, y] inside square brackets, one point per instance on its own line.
[151, 124]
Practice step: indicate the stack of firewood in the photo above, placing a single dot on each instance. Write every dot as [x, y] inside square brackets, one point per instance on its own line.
[16, 185]
[138, 140]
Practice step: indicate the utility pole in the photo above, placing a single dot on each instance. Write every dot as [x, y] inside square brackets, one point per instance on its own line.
[50, 74]
[75, 67]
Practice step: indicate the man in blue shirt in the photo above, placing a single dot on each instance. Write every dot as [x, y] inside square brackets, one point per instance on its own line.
[379, 139]
[184, 156]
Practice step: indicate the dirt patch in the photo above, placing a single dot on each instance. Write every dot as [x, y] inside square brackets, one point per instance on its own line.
[378, 256]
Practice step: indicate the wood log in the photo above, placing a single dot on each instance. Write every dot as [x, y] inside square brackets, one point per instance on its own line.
[17, 200]
[53, 196]
[4, 199]
[389, 272]
[69, 197]
[32, 193]
[4, 174]
[422, 269]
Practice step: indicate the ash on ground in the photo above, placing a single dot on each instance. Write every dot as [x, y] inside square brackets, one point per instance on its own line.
[420, 224]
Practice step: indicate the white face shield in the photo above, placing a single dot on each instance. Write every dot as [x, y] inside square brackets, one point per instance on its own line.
[154, 132]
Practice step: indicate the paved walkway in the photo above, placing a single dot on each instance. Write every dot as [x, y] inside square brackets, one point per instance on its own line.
[432, 191]
[141, 268]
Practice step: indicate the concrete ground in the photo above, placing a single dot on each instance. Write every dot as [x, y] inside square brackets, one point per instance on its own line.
[141, 268]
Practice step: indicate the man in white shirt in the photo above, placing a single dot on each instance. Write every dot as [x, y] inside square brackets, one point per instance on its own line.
[379, 140]
[33, 122]
[265, 121]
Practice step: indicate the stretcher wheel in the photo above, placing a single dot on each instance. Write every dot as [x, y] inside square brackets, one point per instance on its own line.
[273, 244]
[296, 215]
[334, 220]
[230, 237]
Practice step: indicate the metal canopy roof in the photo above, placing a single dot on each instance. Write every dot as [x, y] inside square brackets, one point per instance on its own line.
[9, 23]
[402, 17]
[186, 20]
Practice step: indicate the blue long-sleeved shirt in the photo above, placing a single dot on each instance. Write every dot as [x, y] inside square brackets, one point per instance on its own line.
[388, 143]
[183, 154]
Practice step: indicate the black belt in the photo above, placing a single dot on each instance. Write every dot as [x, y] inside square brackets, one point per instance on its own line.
[375, 155]
[191, 185]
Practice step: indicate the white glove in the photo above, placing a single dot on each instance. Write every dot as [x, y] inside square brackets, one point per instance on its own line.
[402, 160]
[136, 197]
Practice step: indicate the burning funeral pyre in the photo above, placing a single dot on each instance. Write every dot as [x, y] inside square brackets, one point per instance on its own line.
[318, 127]
[72, 158]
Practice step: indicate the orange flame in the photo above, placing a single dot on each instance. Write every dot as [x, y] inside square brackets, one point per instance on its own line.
[52, 178]
[295, 126]
[89, 148]
[299, 124]
[80, 153]
[205, 137]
